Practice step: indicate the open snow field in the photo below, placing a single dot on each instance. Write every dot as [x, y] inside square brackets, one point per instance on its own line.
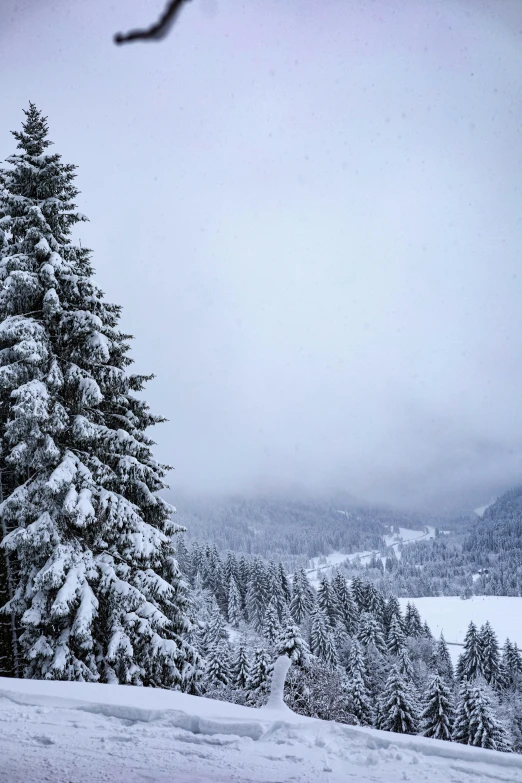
[64, 732]
[451, 615]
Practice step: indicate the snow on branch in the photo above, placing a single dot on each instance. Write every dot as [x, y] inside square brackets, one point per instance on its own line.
[157, 31]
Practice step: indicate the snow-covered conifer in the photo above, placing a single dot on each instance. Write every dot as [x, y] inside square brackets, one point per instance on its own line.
[511, 666]
[275, 588]
[396, 640]
[99, 593]
[257, 594]
[218, 666]
[259, 677]
[412, 621]
[292, 644]
[347, 608]
[370, 632]
[373, 601]
[469, 664]
[475, 720]
[461, 726]
[391, 610]
[327, 602]
[442, 660]
[235, 612]
[302, 597]
[358, 593]
[405, 665]
[215, 631]
[284, 581]
[426, 631]
[271, 627]
[490, 656]
[240, 666]
[231, 569]
[358, 694]
[398, 709]
[438, 713]
[321, 641]
[486, 730]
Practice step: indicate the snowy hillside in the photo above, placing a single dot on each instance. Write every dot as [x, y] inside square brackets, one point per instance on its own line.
[326, 563]
[85, 733]
[451, 616]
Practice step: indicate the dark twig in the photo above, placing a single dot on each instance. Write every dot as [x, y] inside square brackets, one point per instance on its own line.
[157, 31]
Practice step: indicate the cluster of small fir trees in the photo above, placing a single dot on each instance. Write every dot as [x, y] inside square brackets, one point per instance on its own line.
[357, 658]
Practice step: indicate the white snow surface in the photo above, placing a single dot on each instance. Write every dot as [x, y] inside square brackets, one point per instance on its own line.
[89, 733]
[451, 615]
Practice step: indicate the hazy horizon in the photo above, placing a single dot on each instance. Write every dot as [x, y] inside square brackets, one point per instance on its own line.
[311, 215]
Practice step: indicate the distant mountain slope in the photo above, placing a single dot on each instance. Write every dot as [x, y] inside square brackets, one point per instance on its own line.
[496, 542]
[282, 526]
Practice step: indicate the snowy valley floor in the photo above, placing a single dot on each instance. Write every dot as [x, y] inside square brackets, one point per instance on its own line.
[80, 733]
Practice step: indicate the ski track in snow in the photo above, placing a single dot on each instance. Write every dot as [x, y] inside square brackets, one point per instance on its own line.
[81, 733]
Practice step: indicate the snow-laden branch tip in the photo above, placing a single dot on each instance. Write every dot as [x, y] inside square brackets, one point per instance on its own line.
[158, 30]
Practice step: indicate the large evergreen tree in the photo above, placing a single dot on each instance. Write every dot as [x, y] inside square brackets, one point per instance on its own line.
[98, 592]
[475, 721]
[469, 664]
[302, 597]
[490, 655]
[398, 710]
[438, 714]
[358, 695]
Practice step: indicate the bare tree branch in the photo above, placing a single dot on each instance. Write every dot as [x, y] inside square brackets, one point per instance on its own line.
[157, 31]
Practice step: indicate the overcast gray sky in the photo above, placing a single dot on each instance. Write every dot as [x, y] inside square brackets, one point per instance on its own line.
[311, 214]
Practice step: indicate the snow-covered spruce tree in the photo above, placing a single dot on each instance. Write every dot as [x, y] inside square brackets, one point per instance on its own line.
[215, 630]
[475, 720]
[438, 713]
[511, 666]
[347, 608]
[412, 621]
[321, 643]
[257, 594]
[235, 612]
[259, 677]
[469, 664]
[358, 593]
[486, 730]
[302, 597]
[275, 589]
[461, 726]
[358, 694]
[396, 639]
[391, 610]
[327, 602]
[370, 632]
[284, 581]
[218, 666]
[99, 593]
[442, 660]
[292, 644]
[398, 709]
[271, 626]
[240, 666]
[490, 655]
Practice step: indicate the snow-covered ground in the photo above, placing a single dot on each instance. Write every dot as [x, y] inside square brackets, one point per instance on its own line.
[452, 615]
[80, 733]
